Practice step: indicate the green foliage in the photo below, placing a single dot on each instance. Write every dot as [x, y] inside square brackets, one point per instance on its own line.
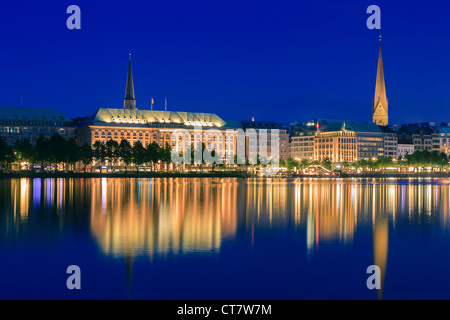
[72, 151]
[153, 151]
[6, 153]
[112, 151]
[24, 150]
[86, 155]
[326, 163]
[125, 152]
[139, 154]
[166, 154]
[291, 164]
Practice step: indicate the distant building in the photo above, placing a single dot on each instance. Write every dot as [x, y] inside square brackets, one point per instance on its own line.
[266, 128]
[370, 141]
[390, 141]
[419, 134]
[29, 123]
[302, 145]
[337, 142]
[441, 139]
[404, 149]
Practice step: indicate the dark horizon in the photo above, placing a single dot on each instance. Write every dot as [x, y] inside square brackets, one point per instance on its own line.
[284, 63]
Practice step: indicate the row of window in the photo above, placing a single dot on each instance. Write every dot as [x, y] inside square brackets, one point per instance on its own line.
[32, 123]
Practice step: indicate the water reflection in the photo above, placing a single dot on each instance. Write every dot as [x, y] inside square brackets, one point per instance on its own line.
[147, 217]
[183, 215]
[130, 217]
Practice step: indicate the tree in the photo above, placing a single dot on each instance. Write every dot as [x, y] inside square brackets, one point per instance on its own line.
[125, 152]
[153, 151]
[304, 163]
[139, 154]
[291, 163]
[86, 155]
[99, 152]
[166, 154]
[41, 153]
[346, 165]
[197, 153]
[72, 152]
[6, 154]
[326, 163]
[24, 150]
[111, 151]
[56, 149]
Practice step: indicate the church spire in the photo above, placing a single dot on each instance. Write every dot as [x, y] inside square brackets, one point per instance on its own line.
[130, 99]
[380, 103]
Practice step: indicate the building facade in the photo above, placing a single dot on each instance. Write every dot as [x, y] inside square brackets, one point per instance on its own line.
[390, 141]
[302, 146]
[370, 141]
[29, 123]
[419, 134]
[151, 126]
[441, 139]
[405, 149]
[336, 143]
[263, 128]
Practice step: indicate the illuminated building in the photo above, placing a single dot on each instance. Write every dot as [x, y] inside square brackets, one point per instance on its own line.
[370, 141]
[148, 126]
[302, 145]
[30, 123]
[263, 127]
[441, 139]
[390, 142]
[404, 148]
[337, 142]
[418, 134]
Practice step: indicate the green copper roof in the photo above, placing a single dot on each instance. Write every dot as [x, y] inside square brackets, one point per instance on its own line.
[16, 113]
[147, 117]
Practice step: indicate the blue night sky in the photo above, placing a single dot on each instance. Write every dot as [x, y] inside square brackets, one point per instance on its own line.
[274, 60]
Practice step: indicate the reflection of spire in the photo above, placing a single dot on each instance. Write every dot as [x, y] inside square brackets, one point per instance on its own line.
[129, 267]
[380, 248]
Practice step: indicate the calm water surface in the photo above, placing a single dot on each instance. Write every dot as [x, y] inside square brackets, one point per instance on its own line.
[224, 238]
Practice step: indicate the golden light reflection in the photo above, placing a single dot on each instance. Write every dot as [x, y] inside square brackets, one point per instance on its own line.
[130, 217]
[134, 217]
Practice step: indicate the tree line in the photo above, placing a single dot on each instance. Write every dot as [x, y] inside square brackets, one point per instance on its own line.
[59, 151]
[418, 159]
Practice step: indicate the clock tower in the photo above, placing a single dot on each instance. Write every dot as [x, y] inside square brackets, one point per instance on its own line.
[380, 103]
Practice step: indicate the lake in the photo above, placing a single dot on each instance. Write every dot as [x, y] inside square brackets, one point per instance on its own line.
[224, 238]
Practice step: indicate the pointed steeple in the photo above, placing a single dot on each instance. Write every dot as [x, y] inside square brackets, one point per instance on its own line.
[380, 102]
[130, 99]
